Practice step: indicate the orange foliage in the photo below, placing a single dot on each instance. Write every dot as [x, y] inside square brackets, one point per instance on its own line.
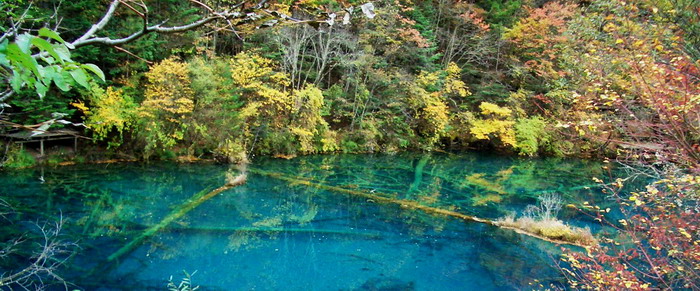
[537, 37]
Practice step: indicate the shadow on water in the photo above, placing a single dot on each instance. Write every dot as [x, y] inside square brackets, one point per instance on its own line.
[270, 234]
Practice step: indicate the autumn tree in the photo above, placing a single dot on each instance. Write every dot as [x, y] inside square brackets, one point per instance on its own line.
[168, 103]
[111, 113]
[538, 37]
[635, 88]
[634, 83]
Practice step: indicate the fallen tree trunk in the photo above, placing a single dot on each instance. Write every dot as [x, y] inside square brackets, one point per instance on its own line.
[408, 204]
[191, 203]
[275, 230]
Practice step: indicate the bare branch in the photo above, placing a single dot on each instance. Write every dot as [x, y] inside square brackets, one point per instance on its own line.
[52, 254]
[121, 49]
[141, 14]
[158, 28]
[7, 94]
[100, 25]
[203, 5]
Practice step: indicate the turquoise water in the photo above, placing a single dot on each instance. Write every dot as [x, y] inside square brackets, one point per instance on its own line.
[271, 234]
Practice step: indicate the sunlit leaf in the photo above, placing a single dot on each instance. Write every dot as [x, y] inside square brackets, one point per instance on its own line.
[80, 77]
[41, 89]
[63, 52]
[95, 69]
[17, 56]
[60, 81]
[16, 81]
[50, 34]
[48, 75]
[46, 46]
[23, 41]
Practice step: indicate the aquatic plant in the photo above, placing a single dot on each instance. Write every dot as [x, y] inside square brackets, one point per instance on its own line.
[190, 204]
[184, 285]
[541, 219]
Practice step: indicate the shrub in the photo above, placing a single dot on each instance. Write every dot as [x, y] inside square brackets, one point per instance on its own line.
[110, 111]
[531, 135]
[18, 158]
[497, 123]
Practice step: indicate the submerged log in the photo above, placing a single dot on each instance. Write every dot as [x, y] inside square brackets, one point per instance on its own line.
[276, 230]
[183, 209]
[408, 204]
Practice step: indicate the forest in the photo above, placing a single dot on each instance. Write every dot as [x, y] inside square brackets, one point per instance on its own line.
[229, 81]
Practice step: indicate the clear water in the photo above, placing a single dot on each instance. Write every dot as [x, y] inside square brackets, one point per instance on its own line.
[272, 235]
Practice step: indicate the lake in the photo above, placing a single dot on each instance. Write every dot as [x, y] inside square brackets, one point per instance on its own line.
[279, 234]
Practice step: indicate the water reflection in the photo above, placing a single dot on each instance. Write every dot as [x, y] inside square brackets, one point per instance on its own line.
[272, 234]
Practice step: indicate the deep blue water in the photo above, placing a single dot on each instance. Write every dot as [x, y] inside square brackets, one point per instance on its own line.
[272, 235]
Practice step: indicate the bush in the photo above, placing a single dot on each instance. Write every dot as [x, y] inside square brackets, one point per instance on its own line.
[531, 135]
[349, 146]
[18, 158]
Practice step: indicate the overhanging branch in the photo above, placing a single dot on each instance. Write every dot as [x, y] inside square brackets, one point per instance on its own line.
[99, 25]
[89, 37]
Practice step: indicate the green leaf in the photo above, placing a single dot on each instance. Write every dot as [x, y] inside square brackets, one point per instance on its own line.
[95, 69]
[45, 32]
[23, 41]
[80, 77]
[42, 71]
[16, 81]
[60, 81]
[63, 52]
[49, 60]
[41, 89]
[3, 60]
[46, 46]
[22, 60]
[49, 73]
